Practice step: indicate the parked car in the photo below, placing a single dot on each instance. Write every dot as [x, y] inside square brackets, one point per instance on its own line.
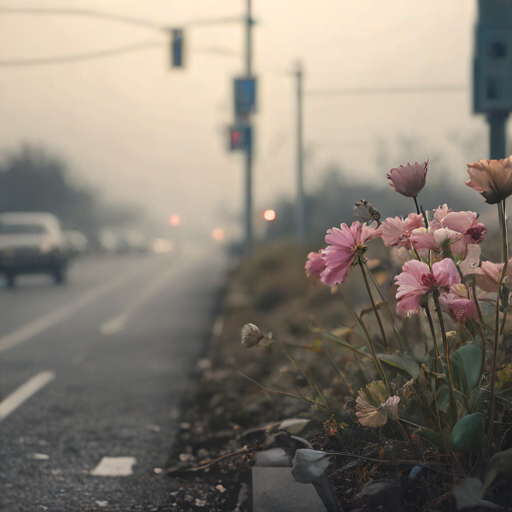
[32, 242]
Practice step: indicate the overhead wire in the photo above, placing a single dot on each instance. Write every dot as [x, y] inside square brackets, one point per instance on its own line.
[386, 90]
[66, 59]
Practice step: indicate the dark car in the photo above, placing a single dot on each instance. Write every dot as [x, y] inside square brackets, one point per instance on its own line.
[32, 243]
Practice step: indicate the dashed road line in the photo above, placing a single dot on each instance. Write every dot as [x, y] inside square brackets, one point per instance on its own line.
[118, 323]
[43, 323]
[24, 392]
[114, 466]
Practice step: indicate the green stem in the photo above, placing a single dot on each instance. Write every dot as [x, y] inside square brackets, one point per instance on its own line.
[369, 341]
[480, 325]
[401, 340]
[453, 404]
[341, 373]
[434, 338]
[418, 209]
[375, 310]
[504, 257]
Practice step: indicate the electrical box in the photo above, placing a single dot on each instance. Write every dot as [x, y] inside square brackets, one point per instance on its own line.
[492, 82]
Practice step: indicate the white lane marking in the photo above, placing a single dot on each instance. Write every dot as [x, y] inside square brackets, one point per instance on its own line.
[114, 466]
[114, 326]
[24, 392]
[45, 322]
[118, 323]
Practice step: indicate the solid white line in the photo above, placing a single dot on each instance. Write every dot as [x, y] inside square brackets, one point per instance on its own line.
[24, 392]
[114, 466]
[118, 323]
[55, 317]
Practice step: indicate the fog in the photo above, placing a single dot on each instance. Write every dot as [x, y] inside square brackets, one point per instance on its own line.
[143, 132]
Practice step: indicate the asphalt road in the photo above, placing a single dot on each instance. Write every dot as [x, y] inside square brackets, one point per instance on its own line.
[96, 369]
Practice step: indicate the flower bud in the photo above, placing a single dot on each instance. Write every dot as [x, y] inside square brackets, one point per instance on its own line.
[408, 180]
[252, 336]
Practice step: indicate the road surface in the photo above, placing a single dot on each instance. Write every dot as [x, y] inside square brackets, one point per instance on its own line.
[91, 378]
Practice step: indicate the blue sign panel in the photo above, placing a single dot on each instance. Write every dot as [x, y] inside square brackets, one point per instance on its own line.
[245, 96]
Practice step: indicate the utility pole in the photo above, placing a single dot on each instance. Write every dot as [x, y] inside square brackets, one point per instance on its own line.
[498, 134]
[301, 210]
[247, 122]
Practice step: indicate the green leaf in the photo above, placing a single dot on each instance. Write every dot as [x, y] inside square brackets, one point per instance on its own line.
[466, 363]
[434, 437]
[402, 362]
[468, 433]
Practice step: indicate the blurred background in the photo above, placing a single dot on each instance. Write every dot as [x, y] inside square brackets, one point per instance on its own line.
[123, 141]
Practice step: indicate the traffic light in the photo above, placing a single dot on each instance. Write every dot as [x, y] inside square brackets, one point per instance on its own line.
[240, 137]
[177, 46]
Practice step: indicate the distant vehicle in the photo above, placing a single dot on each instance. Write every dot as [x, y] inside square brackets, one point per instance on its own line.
[77, 242]
[32, 242]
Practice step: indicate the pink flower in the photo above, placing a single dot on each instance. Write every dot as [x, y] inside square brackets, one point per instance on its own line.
[459, 304]
[440, 214]
[344, 245]
[467, 224]
[315, 265]
[408, 180]
[491, 178]
[396, 232]
[488, 275]
[417, 281]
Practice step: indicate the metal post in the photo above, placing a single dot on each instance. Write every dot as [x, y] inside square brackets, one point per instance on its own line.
[301, 211]
[248, 151]
[497, 124]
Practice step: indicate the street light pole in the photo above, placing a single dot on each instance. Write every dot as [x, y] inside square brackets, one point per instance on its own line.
[248, 150]
[301, 210]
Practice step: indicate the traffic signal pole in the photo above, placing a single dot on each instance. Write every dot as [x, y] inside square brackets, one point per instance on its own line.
[248, 150]
[301, 210]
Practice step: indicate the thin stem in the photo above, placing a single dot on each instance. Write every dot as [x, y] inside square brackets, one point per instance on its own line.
[480, 324]
[417, 206]
[401, 340]
[438, 414]
[434, 338]
[504, 257]
[304, 374]
[369, 341]
[453, 405]
[375, 310]
[278, 392]
[339, 370]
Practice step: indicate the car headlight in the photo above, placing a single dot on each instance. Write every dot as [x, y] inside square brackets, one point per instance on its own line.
[46, 248]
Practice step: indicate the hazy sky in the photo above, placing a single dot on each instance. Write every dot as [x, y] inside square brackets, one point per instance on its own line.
[146, 132]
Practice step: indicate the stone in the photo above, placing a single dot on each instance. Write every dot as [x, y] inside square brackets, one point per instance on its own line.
[273, 457]
[275, 490]
[385, 495]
